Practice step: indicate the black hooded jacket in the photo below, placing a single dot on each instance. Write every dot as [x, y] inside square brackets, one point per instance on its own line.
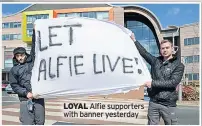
[165, 77]
[20, 73]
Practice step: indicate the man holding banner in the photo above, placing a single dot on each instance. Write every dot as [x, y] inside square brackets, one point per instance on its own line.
[166, 71]
[32, 111]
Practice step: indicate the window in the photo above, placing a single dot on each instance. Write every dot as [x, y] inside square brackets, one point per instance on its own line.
[46, 16]
[145, 36]
[31, 19]
[37, 17]
[5, 37]
[41, 17]
[61, 15]
[189, 59]
[185, 42]
[88, 14]
[16, 25]
[153, 48]
[30, 26]
[98, 15]
[192, 76]
[19, 25]
[5, 25]
[196, 40]
[73, 15]
[8, 62]
[102, 15]
[11, 25]
[139, 33]
[195, 76]
[191, 41]
[189, 76]
[145, 32]
[196, 59]
[85, 14]
[11, 37]
[15, 37]
[19, 36]
[92, 15]
[29, 32]
[192, 59]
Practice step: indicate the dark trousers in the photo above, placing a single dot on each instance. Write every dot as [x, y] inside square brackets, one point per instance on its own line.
[35, 117]
[156, 111]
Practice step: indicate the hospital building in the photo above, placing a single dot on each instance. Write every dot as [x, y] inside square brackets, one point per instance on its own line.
[17, 31]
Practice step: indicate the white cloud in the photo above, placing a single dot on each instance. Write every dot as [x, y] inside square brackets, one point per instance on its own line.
[174, 11]
[189, 11]
[6, 14]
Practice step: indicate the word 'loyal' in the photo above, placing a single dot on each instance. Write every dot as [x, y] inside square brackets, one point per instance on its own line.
[104, 61]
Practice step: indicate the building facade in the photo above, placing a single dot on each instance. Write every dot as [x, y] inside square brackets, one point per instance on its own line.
[190, 51]
[17, 30]
[11, 38]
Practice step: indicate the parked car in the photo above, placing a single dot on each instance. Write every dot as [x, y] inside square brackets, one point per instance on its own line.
[4, 84]
[9, 90]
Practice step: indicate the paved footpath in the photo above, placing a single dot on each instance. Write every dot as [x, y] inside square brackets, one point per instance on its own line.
[55, 112]
[188, 103]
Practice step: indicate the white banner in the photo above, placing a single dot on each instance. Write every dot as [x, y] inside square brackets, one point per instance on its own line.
[82, 56]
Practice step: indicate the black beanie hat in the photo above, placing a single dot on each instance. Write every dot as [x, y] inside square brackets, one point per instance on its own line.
[19, 50]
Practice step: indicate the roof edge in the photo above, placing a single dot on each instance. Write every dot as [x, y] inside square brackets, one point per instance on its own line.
[34, 4]
[18, 11]
[190, 24]
[149, 11]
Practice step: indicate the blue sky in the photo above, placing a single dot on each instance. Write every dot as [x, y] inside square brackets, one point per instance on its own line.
[168, 14]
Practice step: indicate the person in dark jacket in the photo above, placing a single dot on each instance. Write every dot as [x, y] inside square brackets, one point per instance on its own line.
[166, 72]
[20, 77]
